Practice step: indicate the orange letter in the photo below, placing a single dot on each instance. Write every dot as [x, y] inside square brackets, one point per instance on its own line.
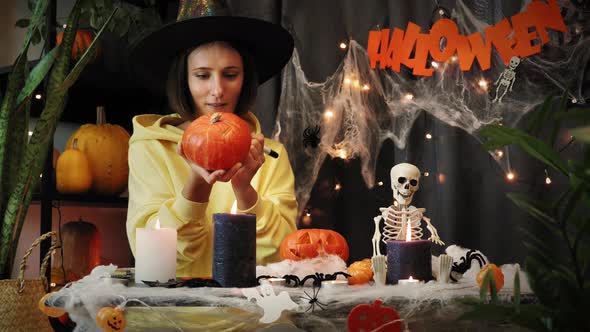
[443, 28]
[421, 56]
[376, 39]
[521, 23]
[495, 35]
[464, 52]
[546, 16]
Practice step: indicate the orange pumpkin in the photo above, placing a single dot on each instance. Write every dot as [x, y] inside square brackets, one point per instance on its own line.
[111, 319]
[50, 311]
[217, 140]
[106, 147]
[368, 317]
[82, 41]
[496, 272]
[309, 243]
[360, 272]
[73, 173]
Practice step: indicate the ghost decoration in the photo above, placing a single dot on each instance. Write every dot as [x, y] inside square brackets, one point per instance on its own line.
[272, 304]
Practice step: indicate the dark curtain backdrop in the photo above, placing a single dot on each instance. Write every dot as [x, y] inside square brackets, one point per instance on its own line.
[465, 193]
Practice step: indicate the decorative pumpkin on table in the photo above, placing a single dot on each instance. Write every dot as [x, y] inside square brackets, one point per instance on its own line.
[81, 43]
[496, 273]
[106, 147]
[111, 319]
[73, 172]
[360, 272]
[310, 243]
[217, 140]
[368, 317]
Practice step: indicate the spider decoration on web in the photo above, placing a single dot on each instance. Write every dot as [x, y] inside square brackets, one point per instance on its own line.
[459, 268]
[319, 277]
[313, 300]
[311, 136]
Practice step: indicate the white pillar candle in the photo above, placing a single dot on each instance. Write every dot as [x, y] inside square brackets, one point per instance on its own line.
[334, 284]
[155, 254]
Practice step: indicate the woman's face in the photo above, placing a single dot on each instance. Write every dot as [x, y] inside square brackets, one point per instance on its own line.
[215, 78]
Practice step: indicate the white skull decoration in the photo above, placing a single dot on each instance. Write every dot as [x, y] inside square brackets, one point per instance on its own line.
[514, 62]
[405, 181]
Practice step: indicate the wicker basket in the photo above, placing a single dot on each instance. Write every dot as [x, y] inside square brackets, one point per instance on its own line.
[19, 298]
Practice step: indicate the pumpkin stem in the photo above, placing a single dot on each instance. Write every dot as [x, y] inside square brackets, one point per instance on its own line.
[215, 117]
[101, 117]
[75, 144]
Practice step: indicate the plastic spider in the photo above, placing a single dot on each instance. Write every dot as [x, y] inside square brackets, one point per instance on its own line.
[311, 136]
[459, 268]
[319, 277]
[313, 300]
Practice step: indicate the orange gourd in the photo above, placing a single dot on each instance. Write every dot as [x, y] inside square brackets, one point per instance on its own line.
[50, 311]
[310, 243]
[82, 41]
[496, 272]
[111, 319]
[217, 140]
[360, 272]
[72, 171]
[106, 147]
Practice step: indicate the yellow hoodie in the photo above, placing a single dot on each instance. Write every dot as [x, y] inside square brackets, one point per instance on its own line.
[157, 175]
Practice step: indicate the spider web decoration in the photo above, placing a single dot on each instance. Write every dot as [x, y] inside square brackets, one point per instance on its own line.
[359, 108]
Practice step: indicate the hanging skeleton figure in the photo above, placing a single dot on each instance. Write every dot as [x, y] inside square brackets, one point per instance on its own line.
[405, 181]
[506, 79]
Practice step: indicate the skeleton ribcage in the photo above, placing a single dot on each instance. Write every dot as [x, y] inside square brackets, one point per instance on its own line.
[394, 228]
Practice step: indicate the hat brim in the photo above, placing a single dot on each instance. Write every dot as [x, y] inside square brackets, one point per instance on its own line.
[270, 45]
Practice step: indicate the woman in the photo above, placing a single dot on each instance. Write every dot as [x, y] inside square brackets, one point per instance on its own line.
[214, 64]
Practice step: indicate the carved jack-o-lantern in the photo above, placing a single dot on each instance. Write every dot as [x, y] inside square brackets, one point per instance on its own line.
[111, 319]
[310, 243]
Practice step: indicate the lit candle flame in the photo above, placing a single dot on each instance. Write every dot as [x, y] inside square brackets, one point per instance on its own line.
[234, 207]
[408, 233]
[157, 224]
[411, 278]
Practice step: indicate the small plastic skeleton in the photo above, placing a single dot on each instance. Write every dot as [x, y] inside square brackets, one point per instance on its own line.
[405, 181]
[506, 79]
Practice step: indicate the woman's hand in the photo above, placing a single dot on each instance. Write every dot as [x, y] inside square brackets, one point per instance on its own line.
[253, 161]
[207, 176]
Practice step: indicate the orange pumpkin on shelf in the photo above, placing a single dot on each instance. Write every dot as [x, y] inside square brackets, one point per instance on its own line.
[111, 319]
[360, 272]
[73, 173]
[82, 41]
[106, 147]
[496, 272]
[217, 140]
[310, 243]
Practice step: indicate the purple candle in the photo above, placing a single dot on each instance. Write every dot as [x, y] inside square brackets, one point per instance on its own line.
[408, 258]
[234, 249]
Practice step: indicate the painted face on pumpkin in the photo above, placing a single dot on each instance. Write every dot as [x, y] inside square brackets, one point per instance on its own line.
[116, 321]
[215, 78]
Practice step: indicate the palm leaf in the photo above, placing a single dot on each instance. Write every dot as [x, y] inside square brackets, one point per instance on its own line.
[37, 75]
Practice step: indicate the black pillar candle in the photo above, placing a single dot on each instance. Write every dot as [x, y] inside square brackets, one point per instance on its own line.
[408, 258]
[234, 249]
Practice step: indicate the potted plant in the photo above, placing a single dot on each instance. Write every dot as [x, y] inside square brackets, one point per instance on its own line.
[21, 162]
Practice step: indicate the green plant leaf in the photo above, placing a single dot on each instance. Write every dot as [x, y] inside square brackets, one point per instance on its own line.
[534, 209]
[539, 116]
[37, 75]
[579, 114]
[499, 136]
[86, 57]
[22, 23]
[581, 134]
[36, 19]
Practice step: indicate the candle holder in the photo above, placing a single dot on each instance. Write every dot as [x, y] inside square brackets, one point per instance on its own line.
[408, 258]
[234, 249]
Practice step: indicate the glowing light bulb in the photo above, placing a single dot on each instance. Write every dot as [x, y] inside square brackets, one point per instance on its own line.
[426, 174]
[434, 64]
[454, 58]
[328, 114]
[343, 45]
[366, 87]
[380, 183]
[356, 83]
[308, 214]
[65, 26]
[441, 12]
[408, 96]
[510, 176]
[30, 132]
[342, 154]
[574, 101]
[548, 180]
[347, 81]
[337, 187]
[38, 96]
[499, 153]
[483, 84]
[428, 136]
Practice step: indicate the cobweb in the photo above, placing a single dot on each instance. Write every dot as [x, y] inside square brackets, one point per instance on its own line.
[357, 108]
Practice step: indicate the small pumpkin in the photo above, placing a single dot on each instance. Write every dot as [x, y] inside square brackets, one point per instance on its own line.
[312, 242]
[217, 140]
[496, 272]
[360, 272]
[111, 319]
[82, 41]
[50, 311]
[73, 172]
[106, 147]
[368, 317]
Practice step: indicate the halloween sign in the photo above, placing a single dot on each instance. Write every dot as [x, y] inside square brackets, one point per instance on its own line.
[524, 37]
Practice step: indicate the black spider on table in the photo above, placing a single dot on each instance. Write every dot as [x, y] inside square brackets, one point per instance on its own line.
[458, 269]
[319, 277]
[313, 300]
[311, 136]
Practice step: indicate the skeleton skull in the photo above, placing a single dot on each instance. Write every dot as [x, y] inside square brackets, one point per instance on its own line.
[405, 181]
[514, 62]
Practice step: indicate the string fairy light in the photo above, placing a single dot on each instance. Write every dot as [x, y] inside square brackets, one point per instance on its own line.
[510, 176]
[342, 45]
[426, 174]
[366, 87]
[337, 186]
[328, 114]
[380, 183]
[547, 178]
[428, 136]
[38, 96]
[434, 64]
[408, 96]
[483, 84]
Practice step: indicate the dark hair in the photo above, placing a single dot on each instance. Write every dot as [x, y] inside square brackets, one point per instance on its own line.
[178, 93]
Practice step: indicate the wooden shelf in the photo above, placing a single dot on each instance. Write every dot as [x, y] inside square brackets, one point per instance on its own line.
[86, 200]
